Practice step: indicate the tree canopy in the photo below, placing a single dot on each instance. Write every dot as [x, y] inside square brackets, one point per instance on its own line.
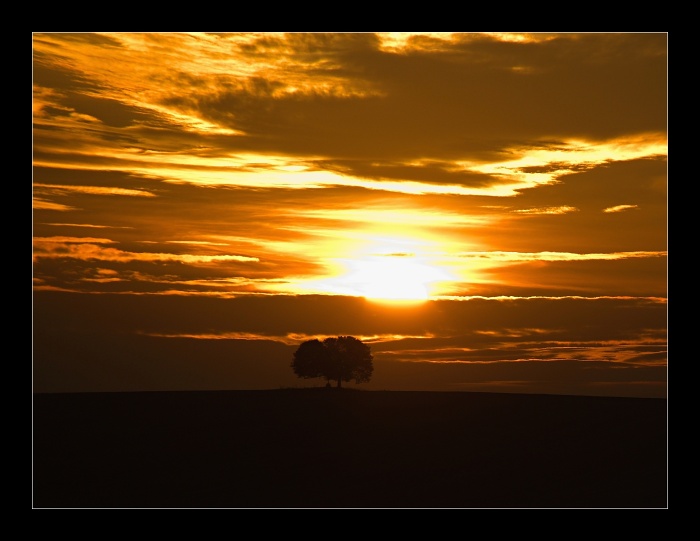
[341, 358]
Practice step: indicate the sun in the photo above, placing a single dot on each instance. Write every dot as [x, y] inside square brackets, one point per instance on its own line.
[391, 278]
[391, 268]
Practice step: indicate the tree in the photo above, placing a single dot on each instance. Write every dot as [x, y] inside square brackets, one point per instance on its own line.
[339, 359]
[311, 359]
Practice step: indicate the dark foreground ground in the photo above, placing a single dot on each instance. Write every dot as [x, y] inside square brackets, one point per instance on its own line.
[321, 448]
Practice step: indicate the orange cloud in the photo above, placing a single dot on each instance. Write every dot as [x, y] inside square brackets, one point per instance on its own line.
[93, 190]
[41, 204]
[555, 256]
[620, 208]
[565, 209]
[89, 249]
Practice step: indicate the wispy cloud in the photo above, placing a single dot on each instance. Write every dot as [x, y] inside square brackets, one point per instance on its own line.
[565, 209]
[404, 216]
[289, 339]
[643, 352]
[556, 256]
[47, 241]
[197, 242]
[545, 163]
[92, 190]
[620, 208]
[92, 226]
[90, 249]
[42, 204]
[508, 298]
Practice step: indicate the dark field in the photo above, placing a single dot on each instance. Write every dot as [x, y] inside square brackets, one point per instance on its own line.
[319, 448]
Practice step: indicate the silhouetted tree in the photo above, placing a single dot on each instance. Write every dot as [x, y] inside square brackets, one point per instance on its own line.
[311, 360]
[339, 359]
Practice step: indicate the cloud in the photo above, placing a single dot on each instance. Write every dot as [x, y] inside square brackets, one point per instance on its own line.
[93, 190]
[48, 241]
[555, 256]
[291, 339]
[197, 242]
[395, 119]
[387, 216]
[565, 209]
[89, 249]
[620, 208]
[622, 353]
[93, 226]
[42, 204]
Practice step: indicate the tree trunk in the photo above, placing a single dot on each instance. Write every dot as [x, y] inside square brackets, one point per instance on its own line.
[339, 380]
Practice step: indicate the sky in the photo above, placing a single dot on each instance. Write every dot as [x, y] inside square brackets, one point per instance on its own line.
[487, 211]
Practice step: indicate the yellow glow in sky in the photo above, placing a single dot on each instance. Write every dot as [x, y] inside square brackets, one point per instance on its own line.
[397, 268]
[391, 278]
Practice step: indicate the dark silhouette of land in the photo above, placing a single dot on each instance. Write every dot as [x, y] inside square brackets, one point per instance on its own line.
[329, 448]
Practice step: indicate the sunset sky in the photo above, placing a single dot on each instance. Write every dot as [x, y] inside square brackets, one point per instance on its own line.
[487, 211]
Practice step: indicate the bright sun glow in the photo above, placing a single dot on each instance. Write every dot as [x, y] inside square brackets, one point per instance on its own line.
[390, 267]
[396, 278]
